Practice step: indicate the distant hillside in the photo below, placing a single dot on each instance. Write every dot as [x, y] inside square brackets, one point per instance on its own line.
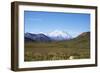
[81, 41]
[29, 37]
[84, 34]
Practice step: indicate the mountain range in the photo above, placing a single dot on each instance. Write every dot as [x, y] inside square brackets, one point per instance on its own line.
[36, 37]
[52, 36]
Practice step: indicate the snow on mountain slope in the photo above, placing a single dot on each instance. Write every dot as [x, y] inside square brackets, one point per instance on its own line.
[52, 36]
[59, 35]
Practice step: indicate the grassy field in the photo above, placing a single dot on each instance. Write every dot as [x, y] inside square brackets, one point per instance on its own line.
[63, 50]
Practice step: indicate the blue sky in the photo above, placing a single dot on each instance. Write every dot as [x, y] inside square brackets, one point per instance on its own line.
[72, 23]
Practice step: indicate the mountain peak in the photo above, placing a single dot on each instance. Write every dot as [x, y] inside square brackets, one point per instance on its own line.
[59, 35]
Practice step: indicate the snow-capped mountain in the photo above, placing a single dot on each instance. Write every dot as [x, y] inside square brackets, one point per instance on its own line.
[59, 35]
[46, 37]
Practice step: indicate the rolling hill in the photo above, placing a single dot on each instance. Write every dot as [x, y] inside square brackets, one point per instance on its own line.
[81, 41]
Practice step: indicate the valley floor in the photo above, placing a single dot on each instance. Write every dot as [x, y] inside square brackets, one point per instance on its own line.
[39, 51]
